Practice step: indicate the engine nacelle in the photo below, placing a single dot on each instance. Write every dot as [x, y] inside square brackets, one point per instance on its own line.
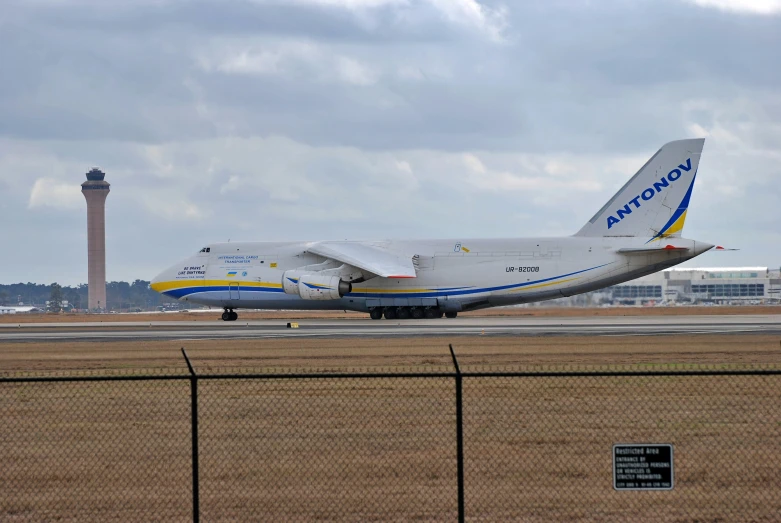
[315, 286]
[290, 281]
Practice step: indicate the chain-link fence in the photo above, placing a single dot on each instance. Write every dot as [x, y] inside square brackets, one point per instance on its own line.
[99, 449]
[539, 448]
[532, 446]
[327, 449]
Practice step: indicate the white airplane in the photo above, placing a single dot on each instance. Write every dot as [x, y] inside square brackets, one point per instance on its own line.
[636, 233]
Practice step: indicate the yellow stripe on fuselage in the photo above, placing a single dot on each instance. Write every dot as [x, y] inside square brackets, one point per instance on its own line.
[183, 284]
[540, 285]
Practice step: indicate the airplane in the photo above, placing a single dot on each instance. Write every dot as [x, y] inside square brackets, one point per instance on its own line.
[637, 232]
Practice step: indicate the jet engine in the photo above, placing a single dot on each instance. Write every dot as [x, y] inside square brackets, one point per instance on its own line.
[315, 286]
[290, 281]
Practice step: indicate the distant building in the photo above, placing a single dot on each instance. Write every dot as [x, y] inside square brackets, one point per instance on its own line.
[4, 309]
[721, 285]
[95, 191]
[677, 286]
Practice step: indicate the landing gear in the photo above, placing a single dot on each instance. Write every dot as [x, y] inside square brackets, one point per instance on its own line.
[405, 313]
[229, 315]
[431, 313]
[451, 314]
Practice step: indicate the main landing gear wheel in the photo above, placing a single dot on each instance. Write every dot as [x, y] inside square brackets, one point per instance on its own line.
[431, 313]
[403, 313]
[229, 315]
[417, 313]
[390, 313]
[451, 314]
[376, 313]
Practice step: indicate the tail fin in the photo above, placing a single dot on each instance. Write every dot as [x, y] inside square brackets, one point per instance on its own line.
[654, 201]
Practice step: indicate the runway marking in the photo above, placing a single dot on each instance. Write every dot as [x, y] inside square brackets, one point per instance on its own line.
[715, 331]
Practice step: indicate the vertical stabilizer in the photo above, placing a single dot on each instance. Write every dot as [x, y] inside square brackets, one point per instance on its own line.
[653, 203]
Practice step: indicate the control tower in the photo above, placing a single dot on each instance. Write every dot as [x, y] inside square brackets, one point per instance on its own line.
[95, 190]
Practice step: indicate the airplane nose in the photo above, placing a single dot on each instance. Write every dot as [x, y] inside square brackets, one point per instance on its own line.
[160, 283]
[185, 271]
[157, 282]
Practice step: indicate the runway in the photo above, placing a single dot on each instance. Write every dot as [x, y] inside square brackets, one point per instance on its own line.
[352, 328]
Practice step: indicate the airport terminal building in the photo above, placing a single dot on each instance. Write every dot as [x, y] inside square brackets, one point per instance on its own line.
[721, 285]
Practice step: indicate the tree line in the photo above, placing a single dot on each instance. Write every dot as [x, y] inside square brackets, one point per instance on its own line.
[120, 295]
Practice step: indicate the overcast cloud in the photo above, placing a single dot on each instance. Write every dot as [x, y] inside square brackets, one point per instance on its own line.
[333, 119]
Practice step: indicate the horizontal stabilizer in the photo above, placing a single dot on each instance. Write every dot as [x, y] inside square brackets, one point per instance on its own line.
[642, 250]
[372, 258]
[720, 248]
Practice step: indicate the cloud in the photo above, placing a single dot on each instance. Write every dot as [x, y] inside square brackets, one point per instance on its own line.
[546, 177]
[294, 59]
[353, 72]
[472, 14]
[49, 192]
[404, 167]
[174, 208]
[264, 62]
[234, 183]
[353, 4]
[474, 164]
[762, 7]
[410, 78]
[491, 21]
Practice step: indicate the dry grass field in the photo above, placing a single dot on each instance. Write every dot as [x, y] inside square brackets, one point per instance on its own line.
[391, 353]
[364, 449]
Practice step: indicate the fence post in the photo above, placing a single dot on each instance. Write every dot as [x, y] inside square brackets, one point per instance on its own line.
[459, 437]
[194, 420]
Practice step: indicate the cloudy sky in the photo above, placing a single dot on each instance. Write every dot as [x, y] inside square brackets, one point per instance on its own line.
[334, 119]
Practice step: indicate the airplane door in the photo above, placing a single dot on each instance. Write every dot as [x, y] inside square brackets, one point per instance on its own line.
[233, 290]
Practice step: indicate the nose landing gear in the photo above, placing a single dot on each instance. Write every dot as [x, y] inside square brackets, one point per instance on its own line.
[229, 315]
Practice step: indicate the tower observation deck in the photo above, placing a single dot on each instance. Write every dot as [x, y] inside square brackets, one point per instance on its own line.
[95, 191]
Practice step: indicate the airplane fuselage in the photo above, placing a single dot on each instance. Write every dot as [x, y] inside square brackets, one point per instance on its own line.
[452, 275]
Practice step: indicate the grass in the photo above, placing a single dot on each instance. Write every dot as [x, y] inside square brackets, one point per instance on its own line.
[384, 449]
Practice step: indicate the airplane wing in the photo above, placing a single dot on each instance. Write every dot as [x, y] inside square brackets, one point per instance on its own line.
[371, 258]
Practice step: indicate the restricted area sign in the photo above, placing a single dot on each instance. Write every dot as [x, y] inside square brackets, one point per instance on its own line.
[642, 467]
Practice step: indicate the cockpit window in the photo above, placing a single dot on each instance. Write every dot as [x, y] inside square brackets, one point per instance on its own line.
[206, 249]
